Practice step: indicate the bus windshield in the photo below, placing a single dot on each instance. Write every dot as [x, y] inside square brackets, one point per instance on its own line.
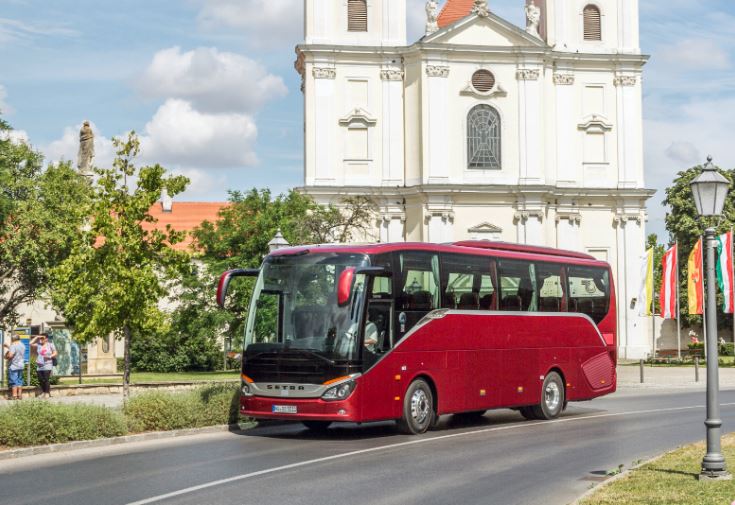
[294, 307]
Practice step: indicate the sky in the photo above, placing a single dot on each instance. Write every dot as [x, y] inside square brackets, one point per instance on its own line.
[209, 85]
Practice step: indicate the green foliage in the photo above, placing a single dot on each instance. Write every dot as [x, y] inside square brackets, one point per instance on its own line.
[206, 406]
[727, 349]
[41, 212]
[117, 271]
[239, 239]
[38, 422]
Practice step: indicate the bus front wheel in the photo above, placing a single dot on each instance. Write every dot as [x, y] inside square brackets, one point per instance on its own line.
[418, 409]
[552, 398]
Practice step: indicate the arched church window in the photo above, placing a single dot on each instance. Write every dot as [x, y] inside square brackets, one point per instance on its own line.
[592, 23]
[483, 138]
[357, 15]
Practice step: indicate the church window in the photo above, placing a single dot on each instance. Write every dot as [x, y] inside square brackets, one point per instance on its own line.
[357, 15]
[483, 138]
[592, 23]
[483, 80]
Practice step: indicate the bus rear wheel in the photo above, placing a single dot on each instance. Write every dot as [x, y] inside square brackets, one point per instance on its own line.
[316, 426]
[418, 409]
[552, 398]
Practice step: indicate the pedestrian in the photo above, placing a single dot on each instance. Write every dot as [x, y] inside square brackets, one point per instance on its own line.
[15, 353]
[45, 355]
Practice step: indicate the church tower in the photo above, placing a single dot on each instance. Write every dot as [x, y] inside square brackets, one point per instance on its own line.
[591, 26]
[355, 22]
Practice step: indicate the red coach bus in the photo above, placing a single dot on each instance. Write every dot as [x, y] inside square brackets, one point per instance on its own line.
[413, 331]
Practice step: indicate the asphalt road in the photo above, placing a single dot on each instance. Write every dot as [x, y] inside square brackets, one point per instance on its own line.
[499, 459]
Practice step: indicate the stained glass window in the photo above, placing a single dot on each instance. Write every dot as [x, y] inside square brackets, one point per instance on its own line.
[483, 138]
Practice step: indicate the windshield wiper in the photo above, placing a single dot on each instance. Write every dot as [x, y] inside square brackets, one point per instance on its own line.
[311, 352]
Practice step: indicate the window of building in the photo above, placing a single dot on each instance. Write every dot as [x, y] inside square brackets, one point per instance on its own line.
[357, 16]
[483, 80]
[483, 138]
[592, 23]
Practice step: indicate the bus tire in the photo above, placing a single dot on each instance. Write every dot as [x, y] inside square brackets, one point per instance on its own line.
[552, 398]
[528, 413]
[317, 426]
[418, 409]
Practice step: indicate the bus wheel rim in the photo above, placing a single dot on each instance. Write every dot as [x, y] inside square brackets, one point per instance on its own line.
[552, 396]
[419, 406]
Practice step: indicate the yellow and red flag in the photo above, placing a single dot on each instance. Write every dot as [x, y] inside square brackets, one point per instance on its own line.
[696, 280]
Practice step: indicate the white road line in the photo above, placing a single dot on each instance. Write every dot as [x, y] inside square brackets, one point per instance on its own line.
[267, 471]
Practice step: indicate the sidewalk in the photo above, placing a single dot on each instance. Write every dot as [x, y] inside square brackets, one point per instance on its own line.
[663, 377]
[656, 379]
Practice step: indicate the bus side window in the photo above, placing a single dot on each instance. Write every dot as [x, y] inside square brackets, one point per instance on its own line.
[589, 291]
[467, 282]
[418, 285]
[550, 291]
[518, 291]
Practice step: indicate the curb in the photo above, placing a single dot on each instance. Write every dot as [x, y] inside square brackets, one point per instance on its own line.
[621, 475]
[127, 439]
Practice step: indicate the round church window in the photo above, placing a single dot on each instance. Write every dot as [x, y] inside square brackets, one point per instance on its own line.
[483, 80]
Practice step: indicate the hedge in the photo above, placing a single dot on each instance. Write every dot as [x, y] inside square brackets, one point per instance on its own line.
[38, 422]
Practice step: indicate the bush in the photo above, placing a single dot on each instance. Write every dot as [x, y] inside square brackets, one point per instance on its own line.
[727, 349]
[205, 406]
[37, 423]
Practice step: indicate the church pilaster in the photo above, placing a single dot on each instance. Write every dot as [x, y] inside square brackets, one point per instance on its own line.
[530, 116]
[392, 126]
[436, 109]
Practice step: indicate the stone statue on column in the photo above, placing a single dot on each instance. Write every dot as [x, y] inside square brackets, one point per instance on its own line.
[432, 16]
[533, 19]
[86, 149]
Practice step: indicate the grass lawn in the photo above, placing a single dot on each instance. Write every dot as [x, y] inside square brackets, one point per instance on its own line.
[671, 480]
[137, 377]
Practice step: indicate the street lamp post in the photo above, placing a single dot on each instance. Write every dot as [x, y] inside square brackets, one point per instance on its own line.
[710, 191]
[278, 242]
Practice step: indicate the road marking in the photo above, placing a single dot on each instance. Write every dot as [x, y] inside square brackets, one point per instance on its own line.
[267, 471]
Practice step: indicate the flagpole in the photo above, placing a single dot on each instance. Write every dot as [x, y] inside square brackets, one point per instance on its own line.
[678, 306]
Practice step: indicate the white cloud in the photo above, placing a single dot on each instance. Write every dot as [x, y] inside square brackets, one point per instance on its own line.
[180, 136]
[683, 152]
[12, 30]
[15, 136]
[5, 109]
[266, 23]
[693, 54]
[212, 81]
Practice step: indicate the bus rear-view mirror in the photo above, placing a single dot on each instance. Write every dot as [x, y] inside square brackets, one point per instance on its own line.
[344, 286]
[224, 282]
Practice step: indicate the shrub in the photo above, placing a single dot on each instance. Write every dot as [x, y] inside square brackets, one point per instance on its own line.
[38, 423]
[205, 406]
[727, 349]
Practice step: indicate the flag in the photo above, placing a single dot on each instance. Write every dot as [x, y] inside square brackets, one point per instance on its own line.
[696, 280]
[725, 270]
[645, 294]
[668, 284]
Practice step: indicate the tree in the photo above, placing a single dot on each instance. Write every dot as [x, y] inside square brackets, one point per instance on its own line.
[685, 226]
[239, 239]
[118, 270]
[41, 211]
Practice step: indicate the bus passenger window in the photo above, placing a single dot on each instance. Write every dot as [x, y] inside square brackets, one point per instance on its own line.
[589, 291]
[551, 294]
[518, 291]
[467, 283]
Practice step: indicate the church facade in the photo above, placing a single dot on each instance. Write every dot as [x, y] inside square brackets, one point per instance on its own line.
[485, 130]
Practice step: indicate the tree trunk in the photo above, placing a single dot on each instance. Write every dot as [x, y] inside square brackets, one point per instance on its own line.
[126, 371]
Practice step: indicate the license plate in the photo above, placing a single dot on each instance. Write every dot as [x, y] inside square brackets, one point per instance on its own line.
[284, 409]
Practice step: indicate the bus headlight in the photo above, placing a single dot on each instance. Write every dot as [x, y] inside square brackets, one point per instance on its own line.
[246, 389]
[339, 392]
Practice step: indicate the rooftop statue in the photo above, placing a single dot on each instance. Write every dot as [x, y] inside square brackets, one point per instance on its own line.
[86, 149]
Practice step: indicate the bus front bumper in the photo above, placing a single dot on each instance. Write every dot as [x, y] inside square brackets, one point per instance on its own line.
[302, 409]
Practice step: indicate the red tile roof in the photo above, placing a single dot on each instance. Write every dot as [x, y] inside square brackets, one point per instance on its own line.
[184, 216]
[453, 11]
